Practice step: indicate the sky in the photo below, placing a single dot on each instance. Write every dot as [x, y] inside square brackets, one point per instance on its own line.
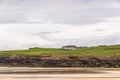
[54, 23]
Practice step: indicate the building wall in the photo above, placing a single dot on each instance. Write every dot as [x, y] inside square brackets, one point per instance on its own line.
[69, 48]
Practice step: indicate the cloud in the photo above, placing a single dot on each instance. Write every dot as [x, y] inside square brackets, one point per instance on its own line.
[28, 35]
[44, 35]
[107, 28]
[22, 36]
[93, 41]
[72, 12]
[54, 23]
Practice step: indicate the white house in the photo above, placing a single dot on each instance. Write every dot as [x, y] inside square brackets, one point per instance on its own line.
[69, 47]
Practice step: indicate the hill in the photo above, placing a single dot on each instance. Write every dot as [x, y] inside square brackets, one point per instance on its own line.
[96, 51]
[99, 56]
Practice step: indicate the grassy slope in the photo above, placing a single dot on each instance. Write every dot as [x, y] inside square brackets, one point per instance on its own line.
[103, 51]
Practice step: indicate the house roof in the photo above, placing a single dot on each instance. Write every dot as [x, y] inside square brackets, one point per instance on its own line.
[70, 46]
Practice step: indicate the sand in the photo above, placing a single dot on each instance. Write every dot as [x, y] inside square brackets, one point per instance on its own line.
[67, 79]
[105, 74]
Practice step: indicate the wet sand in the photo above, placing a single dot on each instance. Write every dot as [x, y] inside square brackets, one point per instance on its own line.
[24, 73]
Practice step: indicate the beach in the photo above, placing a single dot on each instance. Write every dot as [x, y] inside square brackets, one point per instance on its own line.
[32, 73]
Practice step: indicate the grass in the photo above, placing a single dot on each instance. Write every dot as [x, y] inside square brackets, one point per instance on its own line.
[99, 51]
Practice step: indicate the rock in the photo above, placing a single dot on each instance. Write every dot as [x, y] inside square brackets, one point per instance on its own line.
[73, 61]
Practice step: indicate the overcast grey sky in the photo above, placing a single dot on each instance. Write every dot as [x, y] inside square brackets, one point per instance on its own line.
[53, 23]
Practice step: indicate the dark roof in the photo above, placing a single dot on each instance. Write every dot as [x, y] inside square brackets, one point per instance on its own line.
[70, 46]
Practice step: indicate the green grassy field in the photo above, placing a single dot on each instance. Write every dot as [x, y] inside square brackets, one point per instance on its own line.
[99, 51]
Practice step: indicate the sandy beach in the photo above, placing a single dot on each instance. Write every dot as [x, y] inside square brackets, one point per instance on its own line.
[22, 73]
[65, 79]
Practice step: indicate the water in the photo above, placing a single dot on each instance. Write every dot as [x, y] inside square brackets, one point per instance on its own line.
[29, 73]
